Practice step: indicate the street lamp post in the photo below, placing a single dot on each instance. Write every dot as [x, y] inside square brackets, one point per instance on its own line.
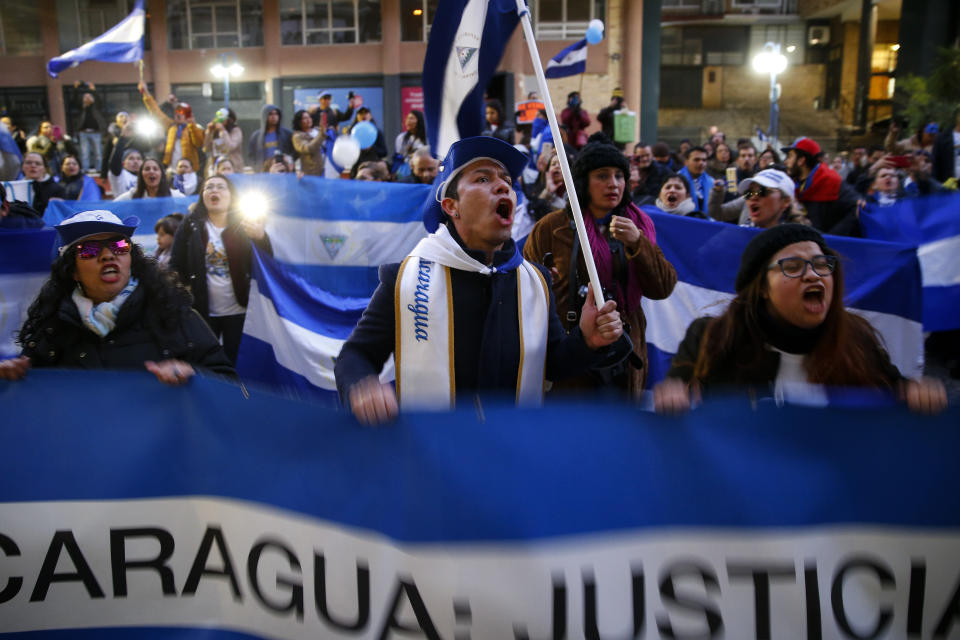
[227, 65]
[771, 61]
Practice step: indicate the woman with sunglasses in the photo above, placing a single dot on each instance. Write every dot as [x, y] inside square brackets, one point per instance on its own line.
[767, 200]
[108, 306]
[213, 254]
[787, 333]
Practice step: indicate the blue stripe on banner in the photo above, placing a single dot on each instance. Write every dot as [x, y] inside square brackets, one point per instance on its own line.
[914, 221]
[319, 198]
[27, 251]
[149, 210]
[658, 364]
[347, 282]
[308, 306]
[519, 475]
[256, 361]
[941, 308]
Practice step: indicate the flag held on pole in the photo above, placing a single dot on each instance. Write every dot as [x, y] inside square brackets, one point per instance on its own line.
[467, 40]
[569, 62]
[122, 43]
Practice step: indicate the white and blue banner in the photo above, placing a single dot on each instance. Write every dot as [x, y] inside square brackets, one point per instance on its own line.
[122, 43]
[467, 40]
[569, 62]
[932, 225]
[198, 513]
[25, 258]
[19, 190]
[882, 282]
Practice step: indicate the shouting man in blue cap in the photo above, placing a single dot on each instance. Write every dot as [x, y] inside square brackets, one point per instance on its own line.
[465, 313]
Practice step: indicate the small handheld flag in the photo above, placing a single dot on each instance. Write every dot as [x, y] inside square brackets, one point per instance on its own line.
[569, 62]
[122, 43]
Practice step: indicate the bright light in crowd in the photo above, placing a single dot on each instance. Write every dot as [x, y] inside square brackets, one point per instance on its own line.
[235, 69]
[768, 61]
[253, 205]
[791, 48]
[147, 127]
[218, 70]
[418, 12]
[894, 47]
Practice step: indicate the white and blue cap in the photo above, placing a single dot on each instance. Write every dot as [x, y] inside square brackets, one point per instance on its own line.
[90, 223]
[461, 154]
[772, 179]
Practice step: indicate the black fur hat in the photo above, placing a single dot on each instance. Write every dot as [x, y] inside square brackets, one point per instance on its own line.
[598, 152]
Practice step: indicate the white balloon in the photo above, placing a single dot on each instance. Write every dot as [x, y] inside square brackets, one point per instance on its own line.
[346, 150]
[596, 24]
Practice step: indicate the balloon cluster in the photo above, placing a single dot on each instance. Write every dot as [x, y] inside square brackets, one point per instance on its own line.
[346, 149]
[595, 31]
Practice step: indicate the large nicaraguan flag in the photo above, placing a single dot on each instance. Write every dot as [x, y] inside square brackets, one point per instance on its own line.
[466, 43]
[196, 513]
[882, 283]
[931, 224]
[569, 62]
[293, 333]
[122, 43]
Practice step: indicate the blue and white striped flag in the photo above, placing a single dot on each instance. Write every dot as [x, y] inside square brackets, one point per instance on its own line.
[931, 224]
[25, 258]
[882, 282]
[467, 40]
[569, 62]
[122, 43]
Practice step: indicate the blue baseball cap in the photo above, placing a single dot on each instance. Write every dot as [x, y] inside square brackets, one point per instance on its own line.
[932, 128]
[463, 153]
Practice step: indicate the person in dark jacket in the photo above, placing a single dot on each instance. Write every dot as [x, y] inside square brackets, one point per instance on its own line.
[830, 203]
[213, 255]
[269, 138]
[43, 188]
[496, 124]
[108, 306]
[648, 174]
[786, 331]
[451, 312]
[89, 126]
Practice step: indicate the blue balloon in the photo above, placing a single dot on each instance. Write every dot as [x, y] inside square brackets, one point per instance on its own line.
[365, 133]
[594, 35]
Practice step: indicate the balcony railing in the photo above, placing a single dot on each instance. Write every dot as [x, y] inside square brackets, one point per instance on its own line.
[721, 7]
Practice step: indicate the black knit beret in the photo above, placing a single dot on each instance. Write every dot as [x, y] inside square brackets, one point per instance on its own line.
[765, 245]
[598, 152]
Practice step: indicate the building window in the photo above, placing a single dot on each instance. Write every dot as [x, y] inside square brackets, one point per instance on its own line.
[416, 16]
[305, 22]
[680, 5]
[565, 19]
[209, 24]
[699, 46]
[80, 21]
[20, 28]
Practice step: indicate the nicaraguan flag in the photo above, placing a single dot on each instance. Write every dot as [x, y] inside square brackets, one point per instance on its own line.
[467, 40]
[931, 224]
[882, 282]
[569, 62]
[25, 258]
[293, 333]
[122, 43]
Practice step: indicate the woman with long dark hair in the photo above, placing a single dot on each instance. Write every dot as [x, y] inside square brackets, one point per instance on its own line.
[76, 184]
[413, 137]
[785, 330]
[623, 243]
[151, 183]
[108, 306]
[213, 254]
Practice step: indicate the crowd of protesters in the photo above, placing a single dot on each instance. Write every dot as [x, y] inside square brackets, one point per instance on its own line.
[618, 185]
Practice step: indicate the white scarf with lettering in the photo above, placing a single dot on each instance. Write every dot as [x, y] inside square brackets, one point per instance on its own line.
[424, 352]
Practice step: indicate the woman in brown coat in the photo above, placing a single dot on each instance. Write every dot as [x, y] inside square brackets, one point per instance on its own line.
[623, 244]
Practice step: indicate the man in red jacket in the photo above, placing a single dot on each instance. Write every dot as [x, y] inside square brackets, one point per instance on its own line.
[830, 203]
